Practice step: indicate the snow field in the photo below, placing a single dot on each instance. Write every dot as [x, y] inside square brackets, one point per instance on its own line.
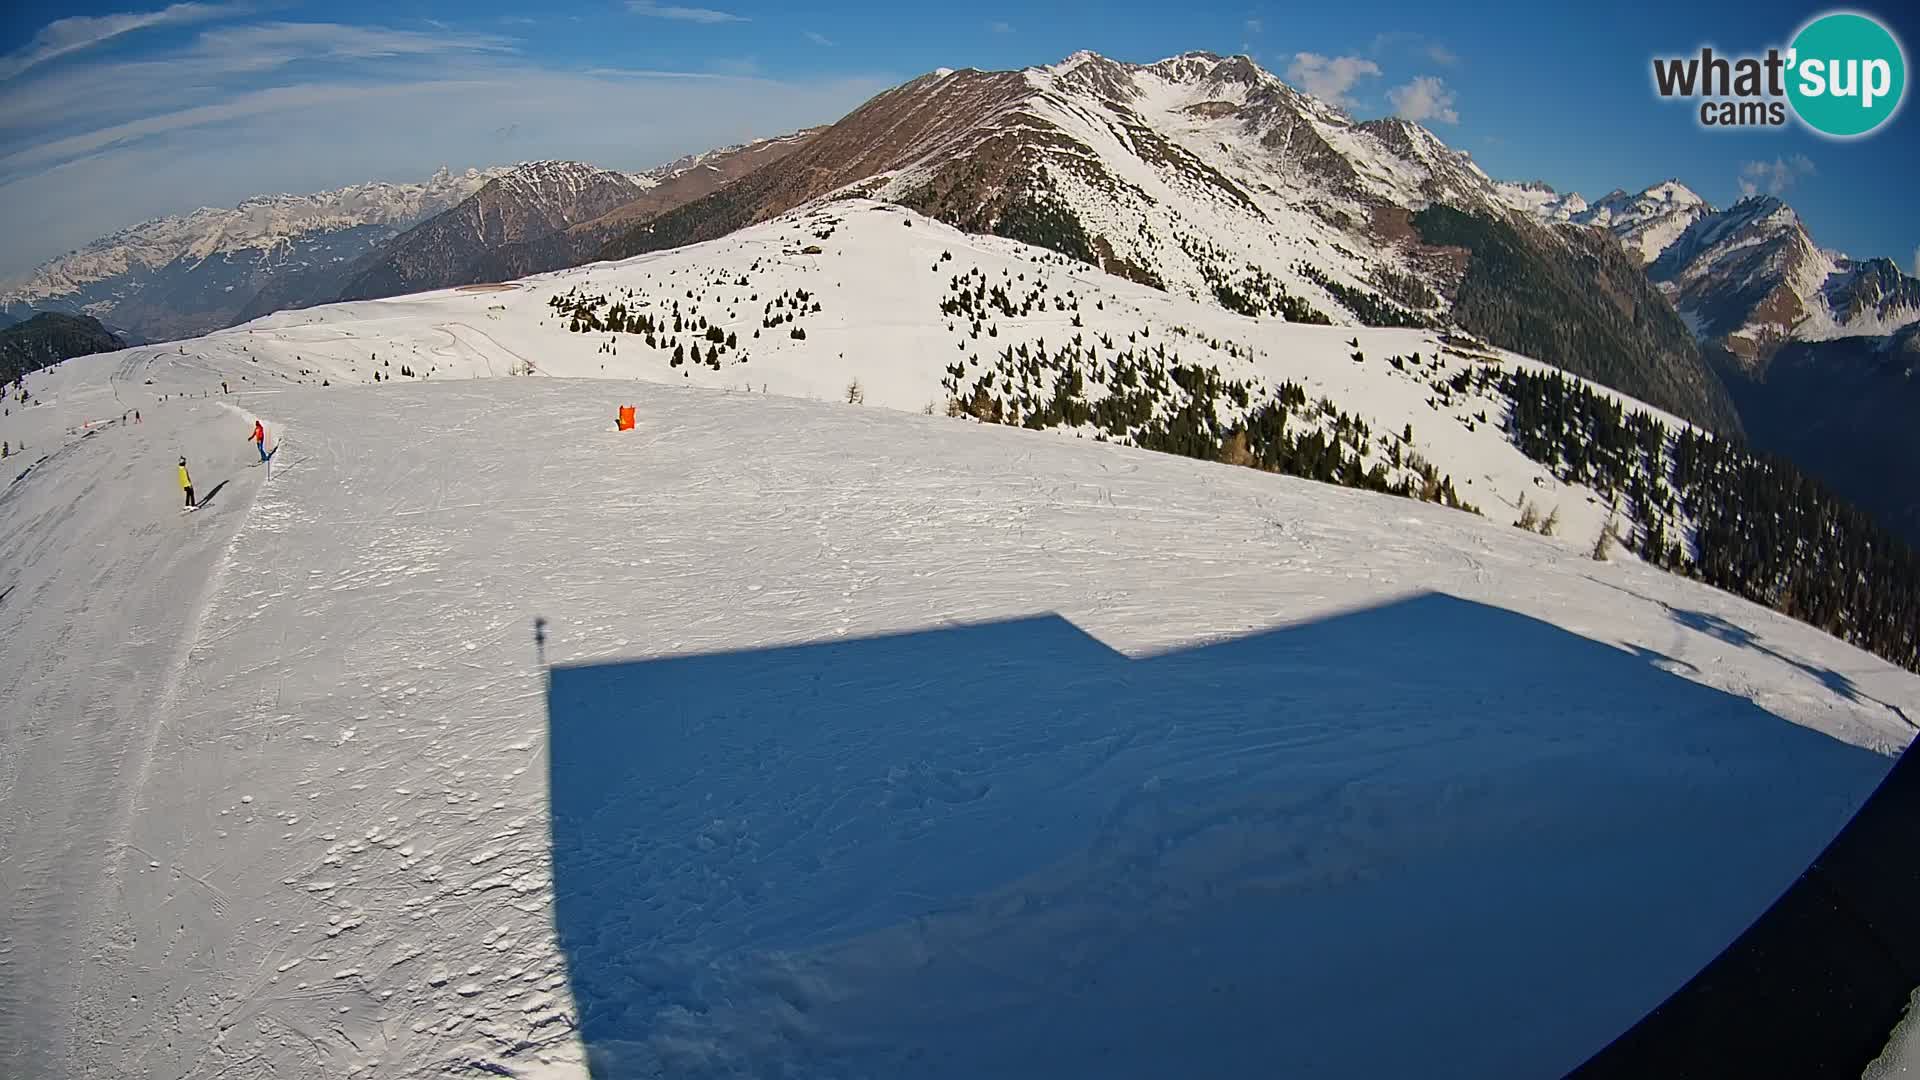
[797, 737]
[345, 858]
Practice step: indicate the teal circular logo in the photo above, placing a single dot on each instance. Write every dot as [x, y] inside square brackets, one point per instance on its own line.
[1848, 74]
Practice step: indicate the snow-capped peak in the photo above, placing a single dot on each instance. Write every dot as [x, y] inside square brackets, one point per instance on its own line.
[1067, 66]
[671, 169]
[1674, 193]
[1539, 200]
[1646, 223]
[557, 180]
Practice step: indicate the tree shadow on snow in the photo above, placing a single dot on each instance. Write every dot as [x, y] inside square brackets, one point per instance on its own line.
[1739, 636]
[1430, 838]
[1837, 682]
[1715, 626]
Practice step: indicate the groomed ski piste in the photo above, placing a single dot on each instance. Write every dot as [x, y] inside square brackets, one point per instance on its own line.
[789, 736]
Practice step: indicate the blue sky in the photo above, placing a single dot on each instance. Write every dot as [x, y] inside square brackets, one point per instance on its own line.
[113, 112]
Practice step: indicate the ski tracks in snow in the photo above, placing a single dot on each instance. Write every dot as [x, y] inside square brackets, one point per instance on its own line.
[97, 526]
[349, 805]
[331, 784]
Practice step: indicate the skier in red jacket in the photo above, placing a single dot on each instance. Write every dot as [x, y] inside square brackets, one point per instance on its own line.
[259, 438]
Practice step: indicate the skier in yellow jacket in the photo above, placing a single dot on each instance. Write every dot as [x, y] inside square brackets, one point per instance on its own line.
[186, 483]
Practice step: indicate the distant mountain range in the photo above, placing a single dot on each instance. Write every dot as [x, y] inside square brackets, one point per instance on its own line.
[184, 275]
[1208, 176]
[1748, 279]
[1820, 352]
[187, 274]
[1201, 175]
[527, 203]
[545, 216]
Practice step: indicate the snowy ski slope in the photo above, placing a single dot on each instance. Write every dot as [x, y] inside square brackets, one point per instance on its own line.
[879, 283]
[799, 737]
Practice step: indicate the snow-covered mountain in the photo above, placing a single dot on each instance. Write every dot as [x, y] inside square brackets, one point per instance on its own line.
[551, 215]
[728, 162]
[531, 201]
[186, 274]
[1538, 199]
[925, 316]
[1752, 277]
[1203, 175]
[1211, 178]
[826, 738]
[672, 185]
[1145, 160]
[1649, 222]
[1815, 347]
[1747, 278]
[1645, 223]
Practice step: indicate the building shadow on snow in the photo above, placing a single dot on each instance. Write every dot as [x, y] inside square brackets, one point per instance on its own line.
[1429, 838]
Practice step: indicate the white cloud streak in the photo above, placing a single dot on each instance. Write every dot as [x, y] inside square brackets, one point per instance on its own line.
[1329, 78]
[79, 32]
[1424, 100]
[682, 14]
[98, 95]
[282, 42]
[1774, 177]
[399, 119]
[818, 38]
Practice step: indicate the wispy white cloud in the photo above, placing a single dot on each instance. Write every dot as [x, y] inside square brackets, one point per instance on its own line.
[274, 43]
[93, 95]
[1408, 43]
[78, 32]
[682, 14]
[1425, 99]
[138, 140]
[999, 27]
[1774, 177]
[276, 99]
[740, 67]
[818, 38]
[1255, 26]
[1329, 78]
[652, 73]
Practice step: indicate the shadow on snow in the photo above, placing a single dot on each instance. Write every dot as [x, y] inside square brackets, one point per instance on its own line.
[1433, 838]
[206, 500]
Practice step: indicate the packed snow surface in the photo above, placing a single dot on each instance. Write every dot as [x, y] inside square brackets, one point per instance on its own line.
[806, 738]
